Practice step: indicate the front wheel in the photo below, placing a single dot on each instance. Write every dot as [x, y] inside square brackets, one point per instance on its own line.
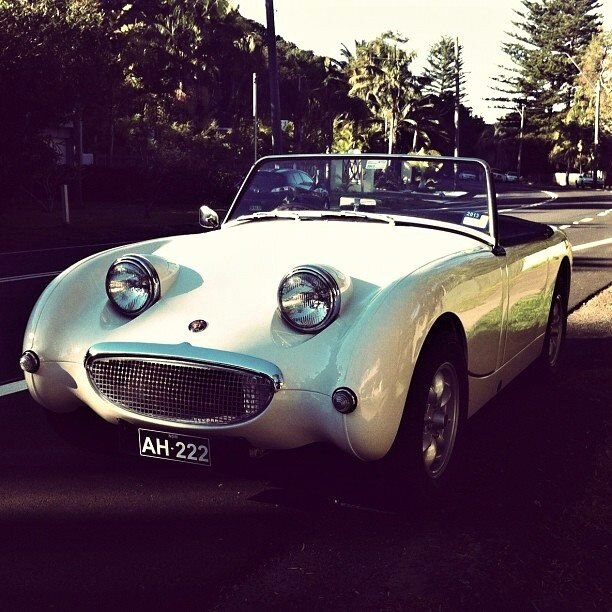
[441, 419]
[426, 447]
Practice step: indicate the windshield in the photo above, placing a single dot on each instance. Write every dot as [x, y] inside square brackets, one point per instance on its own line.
[451, 190]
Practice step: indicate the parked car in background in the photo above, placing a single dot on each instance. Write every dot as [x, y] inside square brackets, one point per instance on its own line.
[468, 176]
[288, 186]
[373, 319]
[586, 180]
[511, 177]
[498, 175]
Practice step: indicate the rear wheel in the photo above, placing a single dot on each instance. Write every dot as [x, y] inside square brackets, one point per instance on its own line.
[552, 351]
[427, 445]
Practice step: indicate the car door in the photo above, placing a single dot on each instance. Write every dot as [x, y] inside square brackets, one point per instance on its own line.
[527, 301]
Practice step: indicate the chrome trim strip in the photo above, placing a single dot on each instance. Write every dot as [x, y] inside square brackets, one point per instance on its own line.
[189, 353]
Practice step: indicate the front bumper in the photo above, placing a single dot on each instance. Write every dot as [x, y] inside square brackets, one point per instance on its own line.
[293, 417]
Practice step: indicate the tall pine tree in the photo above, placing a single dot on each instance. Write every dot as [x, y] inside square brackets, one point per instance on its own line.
[441, 68]
[444, 63]
[540, 74]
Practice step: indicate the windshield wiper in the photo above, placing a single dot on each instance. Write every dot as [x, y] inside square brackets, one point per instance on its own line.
[316, 215]
[356, 214]
[266, 216]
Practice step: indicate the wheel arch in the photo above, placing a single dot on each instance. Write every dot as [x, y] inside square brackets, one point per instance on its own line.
[448, 323]
[564, 277]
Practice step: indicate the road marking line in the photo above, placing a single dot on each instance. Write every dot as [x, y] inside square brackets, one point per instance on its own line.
[564, 226]
[64, 248]
[14, 387]
[551, 198]
[10, 279]
[591, 245]
[586, 220]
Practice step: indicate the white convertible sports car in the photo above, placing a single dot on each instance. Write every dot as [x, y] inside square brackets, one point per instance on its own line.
[373, 302]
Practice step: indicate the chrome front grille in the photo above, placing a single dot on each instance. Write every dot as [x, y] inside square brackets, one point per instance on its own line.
[181, 391]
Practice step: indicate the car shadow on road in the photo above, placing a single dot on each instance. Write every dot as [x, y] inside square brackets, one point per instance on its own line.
[312, 529]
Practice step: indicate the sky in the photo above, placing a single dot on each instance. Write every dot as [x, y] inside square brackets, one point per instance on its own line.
[323, 26]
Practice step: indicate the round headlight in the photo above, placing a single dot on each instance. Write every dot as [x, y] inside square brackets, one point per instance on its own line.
[309, 299]
[132, 284]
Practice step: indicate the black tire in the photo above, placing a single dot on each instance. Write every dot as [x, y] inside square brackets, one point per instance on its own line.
[426, 450]
[551, 357]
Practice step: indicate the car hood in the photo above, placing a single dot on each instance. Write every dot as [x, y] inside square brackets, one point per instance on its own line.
[230, 278]
[376, 253]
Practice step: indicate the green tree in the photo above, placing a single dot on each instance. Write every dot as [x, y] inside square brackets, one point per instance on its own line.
[337, 119]
[443, 64]
[594, 91]
[57, 61]
[179, 54]
[539, 74]
[380, 74]
[441, 68]
[595, 65]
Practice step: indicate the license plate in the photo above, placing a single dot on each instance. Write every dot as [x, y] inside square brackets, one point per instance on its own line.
[174, 447]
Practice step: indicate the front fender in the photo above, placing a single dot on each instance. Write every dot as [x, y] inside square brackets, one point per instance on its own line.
[383, 347]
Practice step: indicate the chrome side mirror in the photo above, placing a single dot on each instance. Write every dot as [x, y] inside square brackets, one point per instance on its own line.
[209, 219]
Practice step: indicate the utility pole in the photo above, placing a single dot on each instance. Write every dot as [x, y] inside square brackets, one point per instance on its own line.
[457, 94]
[520, 146]
[277, 134]
[596, 136]
[255, 118]
[297, 121]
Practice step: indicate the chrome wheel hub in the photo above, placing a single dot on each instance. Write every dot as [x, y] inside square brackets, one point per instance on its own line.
[441, 420]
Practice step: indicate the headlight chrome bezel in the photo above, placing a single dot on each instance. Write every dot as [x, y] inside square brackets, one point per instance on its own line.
[145, 267]
[321, 275]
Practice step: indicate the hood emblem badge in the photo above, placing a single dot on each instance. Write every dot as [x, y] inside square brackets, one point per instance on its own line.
[198, 325]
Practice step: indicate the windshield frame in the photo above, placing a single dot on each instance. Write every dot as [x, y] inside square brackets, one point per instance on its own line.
[490, 238]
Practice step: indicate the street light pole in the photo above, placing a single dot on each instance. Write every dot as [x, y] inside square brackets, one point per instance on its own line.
[457, 97]
[277, 146]
[596, 136]
[520, 147]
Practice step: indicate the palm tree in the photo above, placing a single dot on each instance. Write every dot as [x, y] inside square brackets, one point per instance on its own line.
[331, 105]
[379, 73]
